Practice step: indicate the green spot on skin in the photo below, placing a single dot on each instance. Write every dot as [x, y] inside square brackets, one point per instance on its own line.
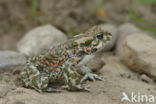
[108, 38]
[105, 41]
[88, 42]
[96, 44]
[72, 68]
[82, 44]
[66, 71]
[35, 82]
[75, 44]
[44, 82]
[74, 76]
[77, 82]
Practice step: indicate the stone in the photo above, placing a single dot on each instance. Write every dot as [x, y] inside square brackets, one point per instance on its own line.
[113, 30]
[123, 31]
[95, 63]
[39, 39]
[10, 59]
[139, 53]
[146, 79]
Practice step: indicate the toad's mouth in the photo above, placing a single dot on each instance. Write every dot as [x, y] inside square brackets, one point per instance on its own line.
[99, 47]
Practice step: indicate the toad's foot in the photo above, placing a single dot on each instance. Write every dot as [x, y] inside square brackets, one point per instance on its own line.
[88, 75]
[79, 88]
[92, 77]
[72, 79]
[51, 90]
[84, 88]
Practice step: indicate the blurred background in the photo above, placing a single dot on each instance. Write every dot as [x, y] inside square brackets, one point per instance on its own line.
[71, 16]
[127, 63]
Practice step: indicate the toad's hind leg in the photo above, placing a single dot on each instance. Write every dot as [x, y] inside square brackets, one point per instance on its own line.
[72, 79]
[32, 78]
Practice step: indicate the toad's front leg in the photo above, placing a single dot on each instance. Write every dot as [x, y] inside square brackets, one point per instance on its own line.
[86, 71]
[72, 79]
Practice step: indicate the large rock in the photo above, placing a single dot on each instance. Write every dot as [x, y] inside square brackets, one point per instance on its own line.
[124, 31]
[40, 38]
[10, 59]
[113, 30]
[139, 53]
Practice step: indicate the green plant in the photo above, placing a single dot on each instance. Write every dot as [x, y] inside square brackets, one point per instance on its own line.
[136, 16]
[36, 15]
[94, 9]
[142, 23]
[34, 7]
[7, 80]
[1, 78]
[42, 21]
[147, 1]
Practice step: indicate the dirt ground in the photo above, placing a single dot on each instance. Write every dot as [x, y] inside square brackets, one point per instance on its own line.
[16, 16]
[118, 79]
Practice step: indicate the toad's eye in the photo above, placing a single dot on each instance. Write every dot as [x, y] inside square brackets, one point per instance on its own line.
[100, 35]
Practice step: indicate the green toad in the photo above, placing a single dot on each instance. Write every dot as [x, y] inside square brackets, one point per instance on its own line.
[60, 63]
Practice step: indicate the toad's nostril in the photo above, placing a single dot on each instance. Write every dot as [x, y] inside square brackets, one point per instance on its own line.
[100, 36]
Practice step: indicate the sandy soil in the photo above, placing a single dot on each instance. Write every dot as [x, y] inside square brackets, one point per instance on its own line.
[118, 79]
